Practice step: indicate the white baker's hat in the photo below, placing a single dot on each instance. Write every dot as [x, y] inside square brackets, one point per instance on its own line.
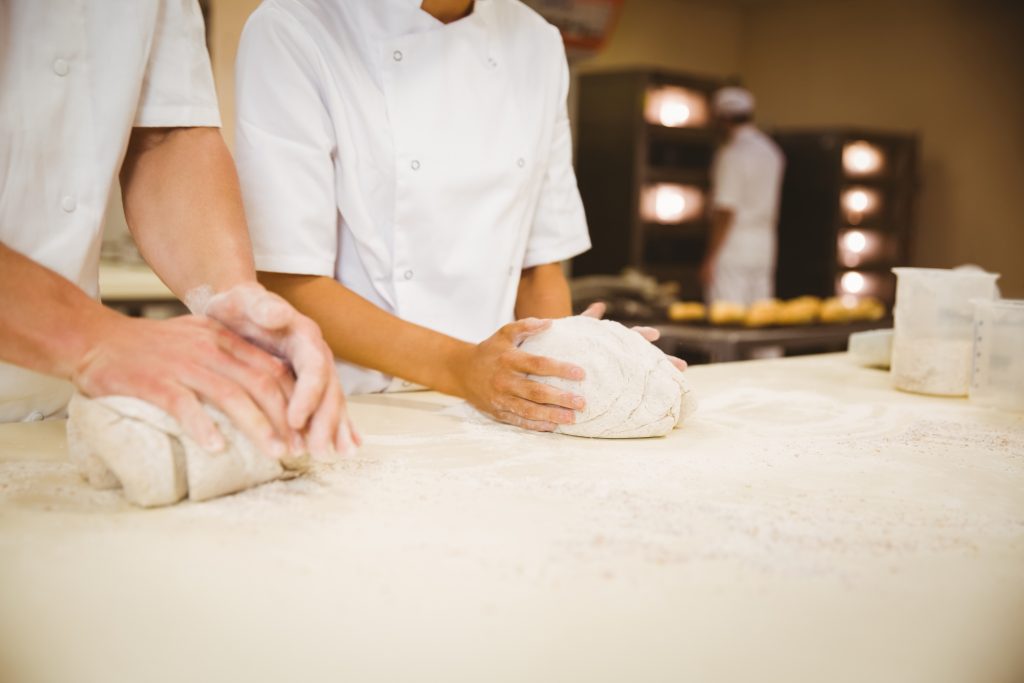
[733, 101]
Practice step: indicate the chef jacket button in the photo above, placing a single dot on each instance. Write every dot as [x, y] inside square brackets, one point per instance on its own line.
[520, 162]
[61, 67]
[34, 416]
[397, 55]
[493, 62]
[415, 165]
[68, 203]
[407, 275]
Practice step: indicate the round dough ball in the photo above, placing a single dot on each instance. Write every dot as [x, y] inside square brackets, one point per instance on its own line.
[727, 313]
[631, 388]
[835, 310]
[763, 313]
[869, 308]
[803, 310]
[687, 311]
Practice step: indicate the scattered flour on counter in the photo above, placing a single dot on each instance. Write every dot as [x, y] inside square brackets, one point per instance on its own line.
[58, 485]
[941, 367]
[822, 488]
[749, 413]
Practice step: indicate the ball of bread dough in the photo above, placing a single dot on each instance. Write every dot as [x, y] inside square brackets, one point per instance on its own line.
[687, 311]
[835, 310]
[803, 310]
[763, 313]
[124, 441]
[869, 308]
[727, 313]
[631, 388]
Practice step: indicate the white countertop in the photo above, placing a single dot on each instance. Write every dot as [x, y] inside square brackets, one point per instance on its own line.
[808, 524]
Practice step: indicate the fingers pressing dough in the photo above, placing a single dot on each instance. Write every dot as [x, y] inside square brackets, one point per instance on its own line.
[119, 440]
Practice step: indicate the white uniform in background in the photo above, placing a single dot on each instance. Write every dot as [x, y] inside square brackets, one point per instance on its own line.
[75, 77]
[747, 180]
[422, 165]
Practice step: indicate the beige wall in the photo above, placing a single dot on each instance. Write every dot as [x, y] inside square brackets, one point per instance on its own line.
[227, 17]
[696, 36]
[950, 69]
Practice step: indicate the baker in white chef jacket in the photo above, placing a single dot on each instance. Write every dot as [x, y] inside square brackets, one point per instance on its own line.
[746, 180]
[89, 88]
[407, 173]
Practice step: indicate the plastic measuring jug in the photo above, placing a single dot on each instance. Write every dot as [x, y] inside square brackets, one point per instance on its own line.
[998, 376]
[933, 339]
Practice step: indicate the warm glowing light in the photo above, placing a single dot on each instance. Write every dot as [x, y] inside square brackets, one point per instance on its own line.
[671, 203]
[859, 201]
[852, 282]
[857, 247]
[855, 241]
[862, 158]
[674, 114]
[675, 107]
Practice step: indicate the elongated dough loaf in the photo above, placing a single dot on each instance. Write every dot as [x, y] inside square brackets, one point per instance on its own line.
[127, 442]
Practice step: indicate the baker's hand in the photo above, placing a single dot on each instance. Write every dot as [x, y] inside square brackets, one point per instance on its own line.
[180, 363]
[494, 379]
[317, 406]
[597, 310]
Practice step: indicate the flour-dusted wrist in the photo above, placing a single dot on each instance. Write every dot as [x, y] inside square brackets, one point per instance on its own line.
[198, 298]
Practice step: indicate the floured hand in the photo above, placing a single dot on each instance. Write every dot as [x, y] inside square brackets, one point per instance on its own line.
[494, 380]
[316, 407]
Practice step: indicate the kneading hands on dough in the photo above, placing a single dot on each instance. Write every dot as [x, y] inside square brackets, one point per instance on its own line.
[137, 98]
[183, 206]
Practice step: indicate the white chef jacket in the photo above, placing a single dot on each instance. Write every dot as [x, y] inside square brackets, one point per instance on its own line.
[747, 180]
[422, 165]
[75, 77]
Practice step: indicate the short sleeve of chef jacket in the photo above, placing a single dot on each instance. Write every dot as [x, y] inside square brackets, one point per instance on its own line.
[559, 229]
[284, 147]
[178, 90]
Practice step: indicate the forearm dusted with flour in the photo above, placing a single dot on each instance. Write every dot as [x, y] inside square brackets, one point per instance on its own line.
[184, 209]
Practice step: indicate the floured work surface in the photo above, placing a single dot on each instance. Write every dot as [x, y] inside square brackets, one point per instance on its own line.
[808, 523]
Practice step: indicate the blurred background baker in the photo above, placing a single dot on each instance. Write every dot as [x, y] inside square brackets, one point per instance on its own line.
[746, 178]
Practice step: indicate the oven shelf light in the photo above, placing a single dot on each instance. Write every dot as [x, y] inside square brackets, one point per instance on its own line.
[669, 203]
[861, 158]
[859, 202]
[675, 107]
[852, 282]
